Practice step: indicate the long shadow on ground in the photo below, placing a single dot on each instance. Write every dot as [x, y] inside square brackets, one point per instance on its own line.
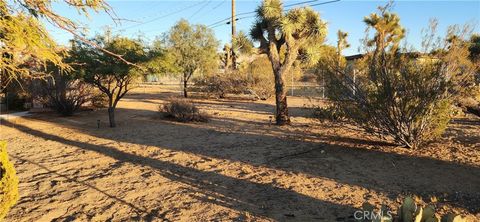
[225, 191]
[389, 173]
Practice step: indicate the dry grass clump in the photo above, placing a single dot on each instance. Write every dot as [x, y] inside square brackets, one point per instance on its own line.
[182, 110]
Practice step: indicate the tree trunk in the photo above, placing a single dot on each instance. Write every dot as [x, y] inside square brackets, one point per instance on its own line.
[111, 116]
[185, 94]
[185, 84]
[281, 114]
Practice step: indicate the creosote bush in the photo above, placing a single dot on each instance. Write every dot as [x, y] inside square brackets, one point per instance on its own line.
[182, 110]
[395, 93]
[8, 182]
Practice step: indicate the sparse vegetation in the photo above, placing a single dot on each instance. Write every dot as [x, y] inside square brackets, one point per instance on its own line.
[183, 110]
[238, 166]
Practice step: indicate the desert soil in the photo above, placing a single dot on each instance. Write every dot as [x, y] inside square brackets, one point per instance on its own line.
[236, 167]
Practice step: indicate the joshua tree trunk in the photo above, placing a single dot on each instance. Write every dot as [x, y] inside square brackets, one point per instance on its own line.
[111, 116]
[281, 114]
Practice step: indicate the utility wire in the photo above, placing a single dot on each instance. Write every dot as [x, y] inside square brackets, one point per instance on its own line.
[200, 9]
[324, 3]
[227, 20]
[253, 12]
[213, 8]
[219, 4]
[163, 16]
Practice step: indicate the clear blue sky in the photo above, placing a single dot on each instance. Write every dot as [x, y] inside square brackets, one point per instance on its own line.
[152, 18]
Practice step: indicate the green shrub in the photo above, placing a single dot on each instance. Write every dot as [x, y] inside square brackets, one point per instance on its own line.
[8, 182]
[183, 110]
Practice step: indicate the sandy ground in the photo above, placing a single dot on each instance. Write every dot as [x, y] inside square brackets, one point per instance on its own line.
[237, 167]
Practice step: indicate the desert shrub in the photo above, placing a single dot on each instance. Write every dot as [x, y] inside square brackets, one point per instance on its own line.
[8, 182]
[99, 100]
[409, 211]
[15, 100]
[220, 85]
[62, 91]
[255, 78]
[400, 99]
[261, 78]
[183, 110]
[67, 97]
[331, 113]
[395, 93]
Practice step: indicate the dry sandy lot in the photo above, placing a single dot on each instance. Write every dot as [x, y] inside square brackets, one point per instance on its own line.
[237, 167]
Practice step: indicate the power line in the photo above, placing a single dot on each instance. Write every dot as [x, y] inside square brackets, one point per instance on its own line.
[227, 20]
[324, 3]
[213, 8]
[219, 4]
[200, 9]
[286, 6]
[163, 16]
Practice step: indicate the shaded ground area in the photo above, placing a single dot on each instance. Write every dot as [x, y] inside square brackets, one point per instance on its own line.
[237, 167]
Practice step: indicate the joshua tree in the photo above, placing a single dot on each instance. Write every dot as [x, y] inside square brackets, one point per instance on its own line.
[282, 36]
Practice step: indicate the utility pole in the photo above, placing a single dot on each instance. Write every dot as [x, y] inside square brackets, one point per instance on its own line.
[234, 56]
